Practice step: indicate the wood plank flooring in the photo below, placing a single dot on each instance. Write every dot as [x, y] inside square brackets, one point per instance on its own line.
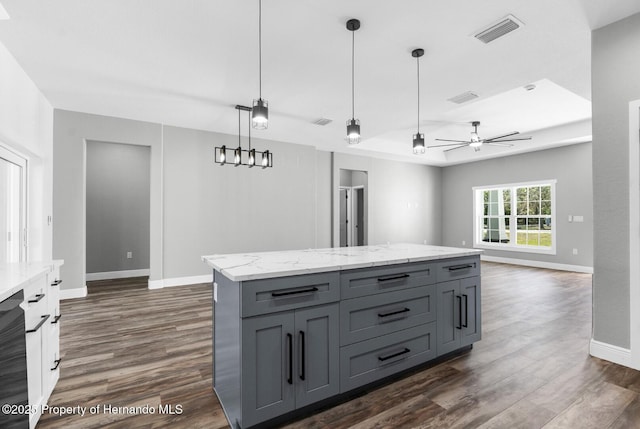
[127, 346]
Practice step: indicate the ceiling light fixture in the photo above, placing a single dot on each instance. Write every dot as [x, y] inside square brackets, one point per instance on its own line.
[418, 138]
[260, 110]
[353, 124]
[220, 153]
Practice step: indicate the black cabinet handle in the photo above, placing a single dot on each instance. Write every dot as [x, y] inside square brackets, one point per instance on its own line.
[383, 358]
[392, 313]
[461, 267]
[37, 298]
[302, 356]
[57, 364]
[42, 320]
[392, 277]
[56, 282]
[459, 298]
[56, 319]
[290, 343]
[294, 292]
[466, 311]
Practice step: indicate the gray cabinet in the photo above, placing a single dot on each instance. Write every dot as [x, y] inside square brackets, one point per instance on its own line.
[458, 316]
[290, 360]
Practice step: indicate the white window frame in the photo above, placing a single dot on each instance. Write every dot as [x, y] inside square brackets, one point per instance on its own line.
[513, 246]
[17, 159]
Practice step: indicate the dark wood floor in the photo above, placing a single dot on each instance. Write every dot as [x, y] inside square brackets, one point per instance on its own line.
[125, 345]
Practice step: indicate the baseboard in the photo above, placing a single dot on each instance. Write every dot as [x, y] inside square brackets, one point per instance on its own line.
[79, 292]
[180, 281]
[116, 274]
[538, 264]
[611, 353]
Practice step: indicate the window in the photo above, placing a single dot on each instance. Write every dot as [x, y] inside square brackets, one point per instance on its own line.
[12, 206]
[518, 217]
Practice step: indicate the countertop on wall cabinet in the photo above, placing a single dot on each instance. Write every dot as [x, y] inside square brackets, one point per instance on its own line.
[264, 265]
[15, 276]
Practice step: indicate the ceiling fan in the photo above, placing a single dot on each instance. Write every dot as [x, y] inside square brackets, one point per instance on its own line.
[476, 142]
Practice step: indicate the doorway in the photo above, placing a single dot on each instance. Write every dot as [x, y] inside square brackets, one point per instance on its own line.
[352, 202]
[118, 199]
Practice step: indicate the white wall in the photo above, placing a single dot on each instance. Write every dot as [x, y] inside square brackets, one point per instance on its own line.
[26, 127]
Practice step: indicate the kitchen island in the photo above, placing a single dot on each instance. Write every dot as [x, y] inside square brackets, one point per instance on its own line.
[297, 330]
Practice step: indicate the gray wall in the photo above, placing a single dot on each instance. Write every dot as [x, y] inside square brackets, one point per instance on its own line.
[614, 72]
[118, 200]
[570, 165]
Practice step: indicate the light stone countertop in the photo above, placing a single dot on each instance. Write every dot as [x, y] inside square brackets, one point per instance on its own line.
[264, 265]
[16, 276]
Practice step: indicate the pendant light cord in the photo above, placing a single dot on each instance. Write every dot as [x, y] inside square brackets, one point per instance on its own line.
[249, 117]
[418, 62]
[260, 45]
[239, 129]
[353, 92]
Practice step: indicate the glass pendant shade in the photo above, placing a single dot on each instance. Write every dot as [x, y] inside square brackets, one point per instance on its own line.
[252, 157]
[223, 154]
[237, 156]
[265, 159]
[418, 143]
[260, 114]
[353, 131]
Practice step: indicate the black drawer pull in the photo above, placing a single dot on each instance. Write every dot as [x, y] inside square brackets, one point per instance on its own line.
[302, 354]
[57, 364]
[56, 282]
[393, 277]
[42, 320]
[461, 267]
[294, 292]
[466, 311]
[56, 319]
[392, 313]
[37, 298]
[383, 358]
[459, 298]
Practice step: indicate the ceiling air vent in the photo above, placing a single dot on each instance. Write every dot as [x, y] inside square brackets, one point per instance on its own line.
[322, 121]
[463, 98]
[499, 29]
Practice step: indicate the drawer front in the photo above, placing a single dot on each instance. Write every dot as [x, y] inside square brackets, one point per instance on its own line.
[371, 360]
[372, 316]
[458, 268]
[370, 281]
[36, 298]
[288, 293]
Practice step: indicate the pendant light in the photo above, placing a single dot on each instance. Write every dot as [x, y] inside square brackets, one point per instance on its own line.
[418, 138]
[260, 110]
[353, 124]
[241, 156]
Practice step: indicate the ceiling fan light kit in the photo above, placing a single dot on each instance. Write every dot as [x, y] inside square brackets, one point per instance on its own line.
[476, 142]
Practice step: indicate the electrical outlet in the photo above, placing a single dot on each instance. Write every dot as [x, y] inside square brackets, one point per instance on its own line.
[129, 255]
[464, 243]
[575, 251]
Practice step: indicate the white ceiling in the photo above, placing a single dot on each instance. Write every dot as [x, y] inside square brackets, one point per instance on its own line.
[187, 63]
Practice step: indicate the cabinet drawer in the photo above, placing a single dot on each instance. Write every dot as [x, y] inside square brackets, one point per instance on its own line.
[458, 268]
[369, 281]
[286, 293]
[376, 315]
[371, 360]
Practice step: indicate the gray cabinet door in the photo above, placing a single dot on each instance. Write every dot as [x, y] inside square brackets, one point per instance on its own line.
[448, 316]
[317, 354]
[267, 367]
[471, 323]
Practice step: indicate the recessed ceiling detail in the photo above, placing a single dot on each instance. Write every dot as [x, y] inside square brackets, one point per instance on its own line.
[463, 98]
[322, 121]
[501, 28]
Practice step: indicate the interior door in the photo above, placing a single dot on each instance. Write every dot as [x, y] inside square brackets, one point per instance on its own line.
[345, 210]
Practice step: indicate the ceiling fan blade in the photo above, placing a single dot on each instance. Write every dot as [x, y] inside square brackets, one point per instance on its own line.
[454, 148]
[508, 140]
[452, 144]
[503, 136]
[447, 140]
[498, 144]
